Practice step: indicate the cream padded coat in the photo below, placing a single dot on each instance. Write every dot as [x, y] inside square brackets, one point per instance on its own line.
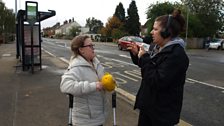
[90, 107]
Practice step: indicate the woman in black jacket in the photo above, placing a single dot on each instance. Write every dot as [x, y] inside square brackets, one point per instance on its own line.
[163, 71]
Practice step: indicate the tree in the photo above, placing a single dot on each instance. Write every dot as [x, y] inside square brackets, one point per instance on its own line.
[94, 25]
[195, 27]
[116, 34]
[205, 18]
[104, 31]
[74, 31]
[158, 9]
[2, 17]
[210, 13]
[113, 23]
[120, 12]
[132, 24]
[7, 22]
[113, 28]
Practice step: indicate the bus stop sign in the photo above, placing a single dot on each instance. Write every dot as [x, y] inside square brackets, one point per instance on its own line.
[31, 12]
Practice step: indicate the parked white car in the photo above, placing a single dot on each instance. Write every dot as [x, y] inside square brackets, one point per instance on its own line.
[216, 44]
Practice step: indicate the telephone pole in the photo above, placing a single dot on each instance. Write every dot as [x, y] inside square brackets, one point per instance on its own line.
[15, 7]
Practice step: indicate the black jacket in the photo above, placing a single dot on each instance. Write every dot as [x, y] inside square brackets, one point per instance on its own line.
[163, 76]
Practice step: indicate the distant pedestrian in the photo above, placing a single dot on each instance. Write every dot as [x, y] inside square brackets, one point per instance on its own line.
[82, 80]
[163, 71]
[207, 42]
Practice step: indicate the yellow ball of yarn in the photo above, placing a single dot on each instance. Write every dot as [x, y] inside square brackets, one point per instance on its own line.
[108, 82]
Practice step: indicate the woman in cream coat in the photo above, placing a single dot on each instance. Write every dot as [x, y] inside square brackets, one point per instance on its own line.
[82, 80]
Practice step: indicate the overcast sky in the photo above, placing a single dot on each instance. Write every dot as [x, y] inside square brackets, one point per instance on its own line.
[82, 9]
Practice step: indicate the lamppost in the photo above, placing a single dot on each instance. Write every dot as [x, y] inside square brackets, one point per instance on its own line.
[187, 21]
[15, 8]
[16, 36]
[187, 24]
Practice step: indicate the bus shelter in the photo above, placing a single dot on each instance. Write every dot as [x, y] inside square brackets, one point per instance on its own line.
[28, 34]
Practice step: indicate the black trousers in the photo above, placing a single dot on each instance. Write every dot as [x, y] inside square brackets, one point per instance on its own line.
[145, 120]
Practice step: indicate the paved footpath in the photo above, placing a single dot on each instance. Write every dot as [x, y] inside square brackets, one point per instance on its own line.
[35, 99]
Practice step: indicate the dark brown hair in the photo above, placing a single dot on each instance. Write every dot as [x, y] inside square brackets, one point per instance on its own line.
[76, 43]
[176, 24]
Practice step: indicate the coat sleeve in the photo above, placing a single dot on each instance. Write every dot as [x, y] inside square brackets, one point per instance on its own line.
[164, 73]
[70, 84]
[134, 58]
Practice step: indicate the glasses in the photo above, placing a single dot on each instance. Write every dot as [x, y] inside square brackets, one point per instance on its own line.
[91, 46]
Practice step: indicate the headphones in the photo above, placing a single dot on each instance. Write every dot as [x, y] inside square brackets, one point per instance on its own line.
[165, 33]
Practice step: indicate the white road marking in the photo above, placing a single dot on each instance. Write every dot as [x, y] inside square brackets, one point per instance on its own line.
[125, 56]
[125, 76]
[64, 60]
[188, 81]
[133, 73]
[204, 83]
[48, 52]
[120, 81]
[111, 59]
[6, 55]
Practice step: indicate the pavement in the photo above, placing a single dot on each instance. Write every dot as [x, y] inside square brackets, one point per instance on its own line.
[35, 99]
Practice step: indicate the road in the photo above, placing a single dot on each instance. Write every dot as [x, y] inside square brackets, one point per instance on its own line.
[203, 103]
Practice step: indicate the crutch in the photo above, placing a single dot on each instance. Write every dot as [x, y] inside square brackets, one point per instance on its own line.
[70, 109]
[114, 107]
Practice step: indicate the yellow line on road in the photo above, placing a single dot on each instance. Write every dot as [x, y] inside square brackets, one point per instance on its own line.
[132, 99]
[183, 123]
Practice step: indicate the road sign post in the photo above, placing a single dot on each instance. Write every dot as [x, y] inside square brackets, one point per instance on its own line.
[32, 18]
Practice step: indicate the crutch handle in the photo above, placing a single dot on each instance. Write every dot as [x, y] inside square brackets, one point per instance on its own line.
[114, 108]
[114, 100]
[70, 109]
[70, 100]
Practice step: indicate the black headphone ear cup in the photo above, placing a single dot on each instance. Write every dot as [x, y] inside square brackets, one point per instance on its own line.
[165, 33]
